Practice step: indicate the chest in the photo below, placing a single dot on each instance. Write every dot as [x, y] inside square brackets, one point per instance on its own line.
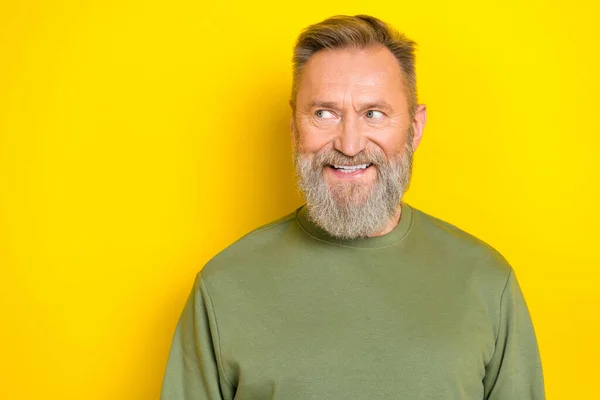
[361, 336]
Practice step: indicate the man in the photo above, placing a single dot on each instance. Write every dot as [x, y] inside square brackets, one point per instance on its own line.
[355, 295]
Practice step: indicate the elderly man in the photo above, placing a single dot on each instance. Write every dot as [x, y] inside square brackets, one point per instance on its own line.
[356, 294]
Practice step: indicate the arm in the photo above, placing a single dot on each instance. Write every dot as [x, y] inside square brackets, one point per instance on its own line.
[515, 370]
[193, 372]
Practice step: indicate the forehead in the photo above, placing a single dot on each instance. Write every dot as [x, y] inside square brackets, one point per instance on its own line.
[371, 70]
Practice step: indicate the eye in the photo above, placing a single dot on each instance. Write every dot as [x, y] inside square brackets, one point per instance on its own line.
[374, 114]
[324, 114]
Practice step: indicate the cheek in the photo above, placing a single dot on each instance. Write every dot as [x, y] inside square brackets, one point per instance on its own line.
[312, 141]
[390, 142]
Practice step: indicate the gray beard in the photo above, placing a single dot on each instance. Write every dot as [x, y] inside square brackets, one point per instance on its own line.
[350, 210]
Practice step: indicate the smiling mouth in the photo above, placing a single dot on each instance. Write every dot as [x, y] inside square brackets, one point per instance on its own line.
[348, 169]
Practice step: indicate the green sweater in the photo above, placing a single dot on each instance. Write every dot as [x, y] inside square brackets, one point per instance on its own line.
[426, 311]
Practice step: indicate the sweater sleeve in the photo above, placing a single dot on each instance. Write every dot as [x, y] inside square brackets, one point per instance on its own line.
[515, 370]
[193, 371]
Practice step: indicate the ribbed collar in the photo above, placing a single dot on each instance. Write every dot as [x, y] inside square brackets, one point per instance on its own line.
[397, 234]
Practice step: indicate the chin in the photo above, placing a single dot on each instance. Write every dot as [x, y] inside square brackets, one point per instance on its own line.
[351, 194]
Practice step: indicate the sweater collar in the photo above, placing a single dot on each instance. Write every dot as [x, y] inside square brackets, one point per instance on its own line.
[395, 235]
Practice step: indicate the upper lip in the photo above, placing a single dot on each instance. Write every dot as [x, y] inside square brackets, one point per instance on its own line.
[349, 166]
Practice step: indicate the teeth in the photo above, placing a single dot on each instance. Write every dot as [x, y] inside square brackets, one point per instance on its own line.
[350, 168]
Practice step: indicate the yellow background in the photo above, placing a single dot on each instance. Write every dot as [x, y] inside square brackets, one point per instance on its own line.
[139, 138]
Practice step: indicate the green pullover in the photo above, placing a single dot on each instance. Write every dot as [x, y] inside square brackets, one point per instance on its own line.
[288, 312]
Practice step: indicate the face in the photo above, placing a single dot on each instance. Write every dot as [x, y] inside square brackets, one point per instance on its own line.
[354, 139]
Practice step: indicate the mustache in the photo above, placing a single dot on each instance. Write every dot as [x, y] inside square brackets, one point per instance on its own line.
[335, 157]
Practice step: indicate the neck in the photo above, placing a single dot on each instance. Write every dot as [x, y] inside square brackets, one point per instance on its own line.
[391, 224]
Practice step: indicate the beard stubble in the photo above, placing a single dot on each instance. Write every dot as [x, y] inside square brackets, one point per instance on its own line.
[350, 210]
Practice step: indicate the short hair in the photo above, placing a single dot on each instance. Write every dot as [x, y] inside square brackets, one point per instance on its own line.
[359, 31]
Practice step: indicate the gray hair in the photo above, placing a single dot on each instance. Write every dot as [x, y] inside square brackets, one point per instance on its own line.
[359, 31]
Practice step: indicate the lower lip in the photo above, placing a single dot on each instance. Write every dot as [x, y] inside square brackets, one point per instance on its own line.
[349, 175]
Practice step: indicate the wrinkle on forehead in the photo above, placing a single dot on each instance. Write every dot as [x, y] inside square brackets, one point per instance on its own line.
[352, 75]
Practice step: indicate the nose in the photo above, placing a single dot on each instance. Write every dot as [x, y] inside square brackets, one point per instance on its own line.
[350, 141]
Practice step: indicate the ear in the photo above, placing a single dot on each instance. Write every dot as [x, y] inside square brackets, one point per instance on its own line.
[292, 126]
[418, 123]
[291, 104]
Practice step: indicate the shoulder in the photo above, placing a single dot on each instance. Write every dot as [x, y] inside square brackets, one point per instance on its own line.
[455, 244]
[252, 249]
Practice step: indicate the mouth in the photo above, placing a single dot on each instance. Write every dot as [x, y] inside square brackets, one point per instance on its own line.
[348, 169]
[345, 172]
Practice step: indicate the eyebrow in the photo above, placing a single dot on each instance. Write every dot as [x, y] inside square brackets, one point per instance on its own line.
[382, 105]
[323, 104]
